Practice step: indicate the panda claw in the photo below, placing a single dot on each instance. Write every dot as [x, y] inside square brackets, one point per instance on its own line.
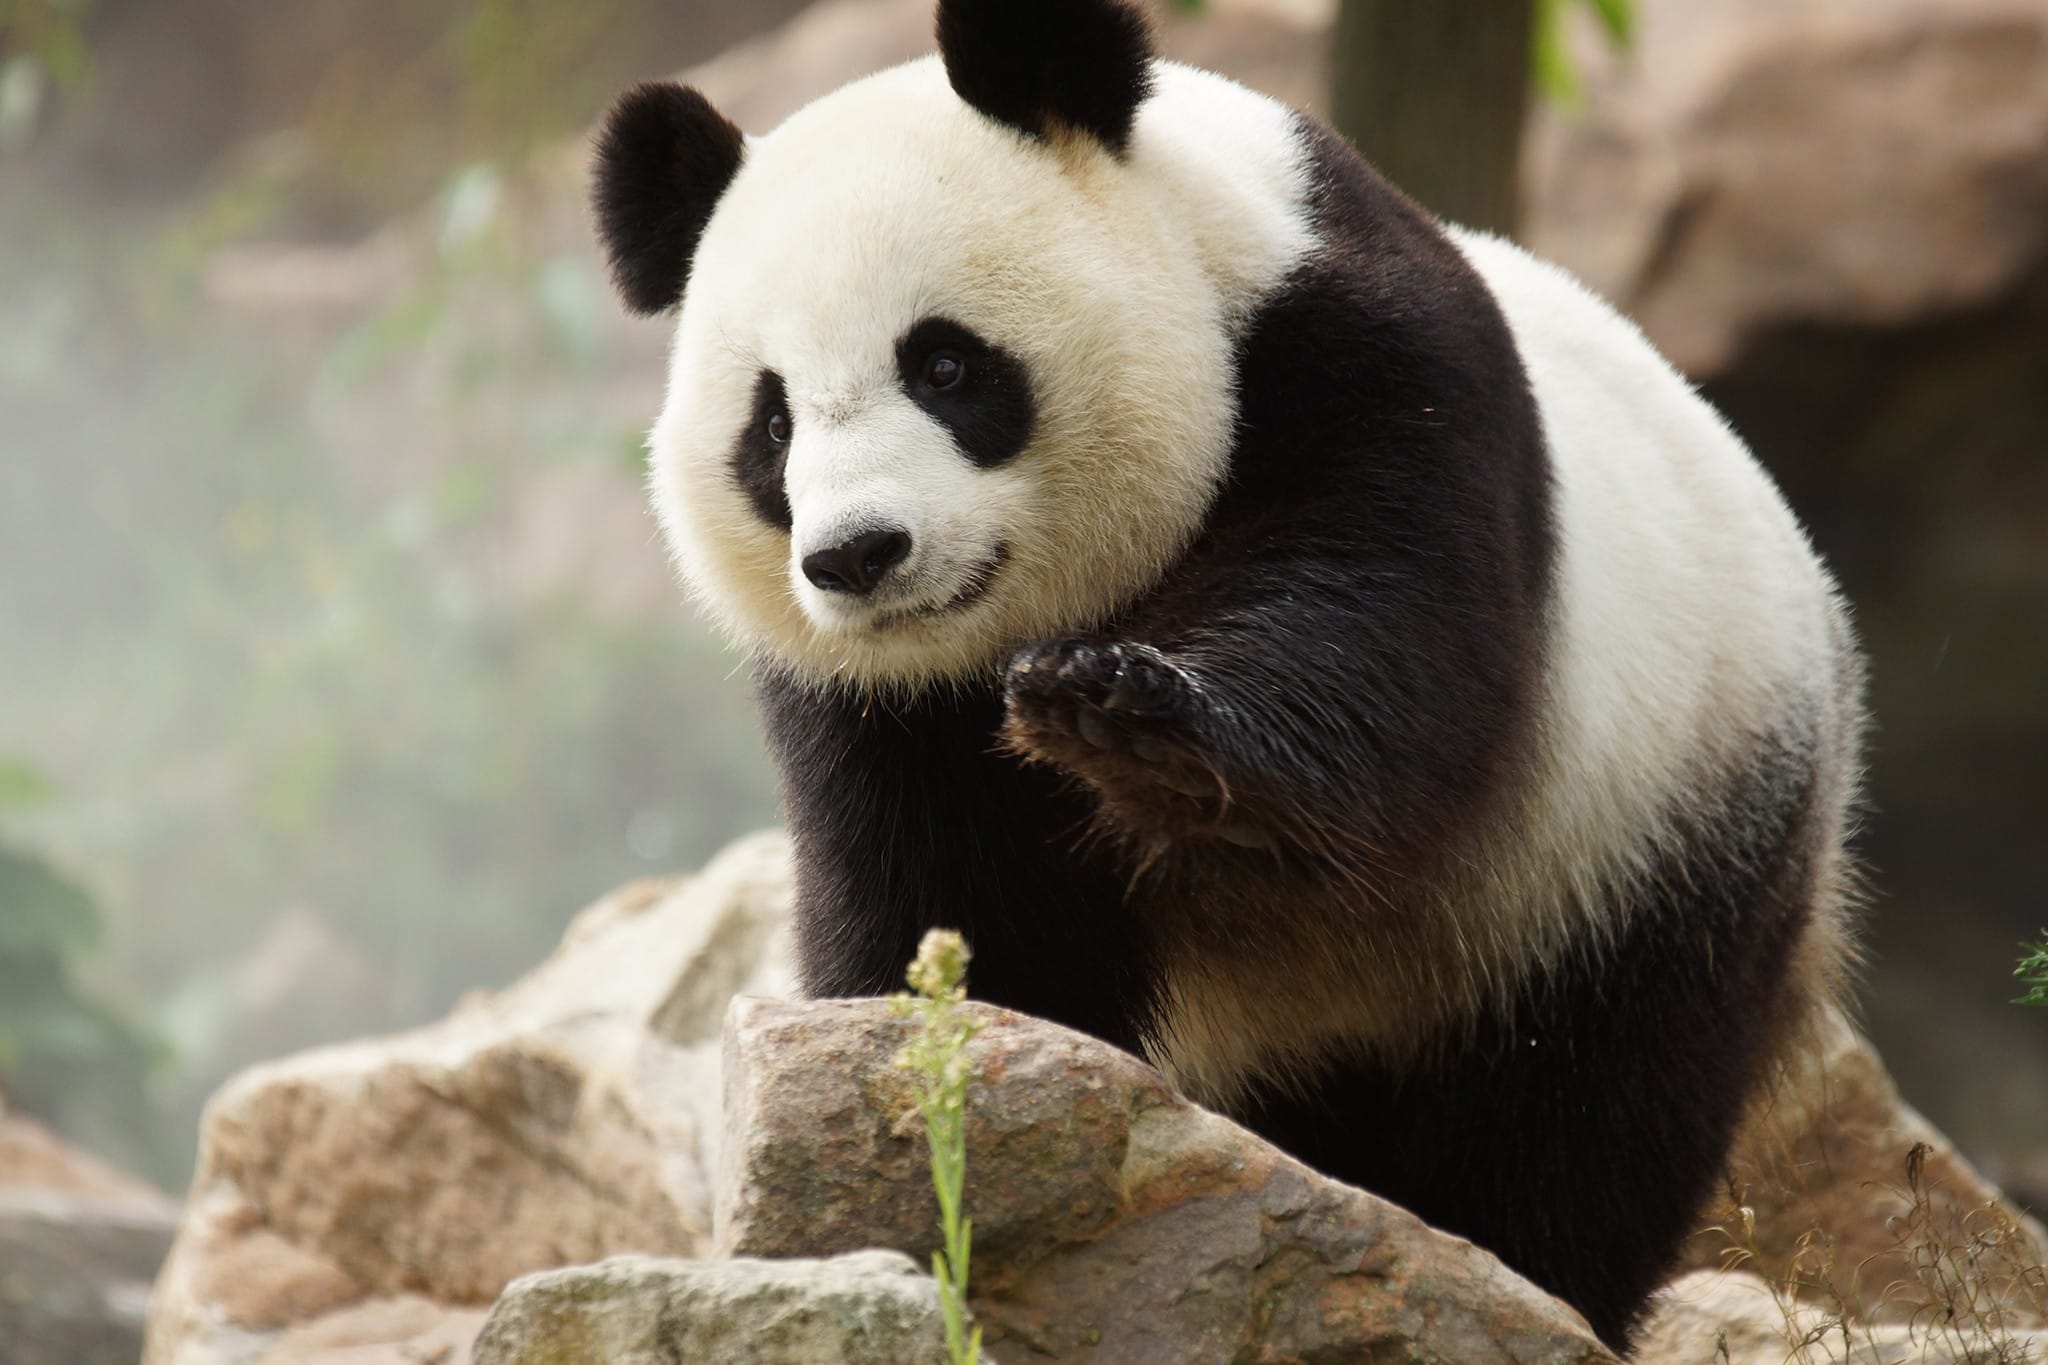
[1095, 729]
[1151, 750]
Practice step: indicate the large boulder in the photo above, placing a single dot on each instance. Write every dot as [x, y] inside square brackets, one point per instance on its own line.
[79, 1244]
[1756, 165]
[1113, 1219]
[388, 1185]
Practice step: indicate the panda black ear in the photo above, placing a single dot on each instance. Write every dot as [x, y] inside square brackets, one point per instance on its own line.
[664, 157]
[1034, 64]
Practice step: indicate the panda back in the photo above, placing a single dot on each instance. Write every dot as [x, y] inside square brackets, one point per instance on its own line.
[1691, 616]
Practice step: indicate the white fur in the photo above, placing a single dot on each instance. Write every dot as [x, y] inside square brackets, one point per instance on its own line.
[1117, 282]
[1693, 617]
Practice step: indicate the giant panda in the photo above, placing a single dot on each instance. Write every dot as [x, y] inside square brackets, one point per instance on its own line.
[1322, 650]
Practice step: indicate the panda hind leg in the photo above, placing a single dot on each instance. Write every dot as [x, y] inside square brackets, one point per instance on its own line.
[1579, 1132]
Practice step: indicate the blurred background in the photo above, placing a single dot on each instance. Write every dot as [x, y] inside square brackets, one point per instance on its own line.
[339, 662]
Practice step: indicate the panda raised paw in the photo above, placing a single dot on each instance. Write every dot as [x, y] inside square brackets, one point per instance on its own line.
[1113, 712]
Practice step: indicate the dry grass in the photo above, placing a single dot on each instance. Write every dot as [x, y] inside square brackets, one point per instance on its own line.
[1974, 1290]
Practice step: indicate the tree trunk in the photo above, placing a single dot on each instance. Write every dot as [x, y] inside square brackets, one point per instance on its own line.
[1434, 93]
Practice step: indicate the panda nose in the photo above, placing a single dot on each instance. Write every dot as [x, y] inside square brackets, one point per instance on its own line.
[859, 564]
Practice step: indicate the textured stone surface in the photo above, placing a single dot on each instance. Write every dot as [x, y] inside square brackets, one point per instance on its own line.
[1113, 1220]
[79, 1245]
[1760, 163]
[570, 1117]
[863, 1308]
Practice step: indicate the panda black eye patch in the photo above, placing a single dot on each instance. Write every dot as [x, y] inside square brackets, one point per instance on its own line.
[972, 387]
[762, 449]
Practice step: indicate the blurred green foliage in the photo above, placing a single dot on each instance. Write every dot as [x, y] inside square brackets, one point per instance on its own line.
[66, 1054]
[272, 612]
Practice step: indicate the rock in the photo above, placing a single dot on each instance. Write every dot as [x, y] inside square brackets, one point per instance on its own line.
[570, 1117]
[1113, 1220]
[1709, 1318]
[79, 1244]
[1763, 163]
[863, 1308]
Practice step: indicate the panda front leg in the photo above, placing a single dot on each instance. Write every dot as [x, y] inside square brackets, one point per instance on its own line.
[1258, 730]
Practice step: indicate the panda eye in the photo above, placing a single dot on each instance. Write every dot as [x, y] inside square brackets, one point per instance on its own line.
[944, 370]
[778, 427]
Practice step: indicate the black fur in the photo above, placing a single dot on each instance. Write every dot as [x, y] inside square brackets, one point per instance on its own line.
[1295, 724]
[906, 817]
[989, 410]
[1041, 64]
[664, 157]
[758, 458]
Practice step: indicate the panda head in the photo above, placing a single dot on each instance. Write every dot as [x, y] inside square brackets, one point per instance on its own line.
[947, 375]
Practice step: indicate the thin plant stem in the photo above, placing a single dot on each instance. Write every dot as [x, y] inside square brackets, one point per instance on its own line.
[935, 1056]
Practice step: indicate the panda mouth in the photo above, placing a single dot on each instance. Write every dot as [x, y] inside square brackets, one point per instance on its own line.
[977, 586]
